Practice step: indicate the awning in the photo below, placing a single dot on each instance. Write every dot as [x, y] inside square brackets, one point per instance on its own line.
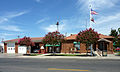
[52, 45]
[76, 42]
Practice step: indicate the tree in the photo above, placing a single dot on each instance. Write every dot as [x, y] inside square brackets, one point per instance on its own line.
[117, 43]
[119, 30]
[88, 36]
[53, 38]
[113, 33]
[26, 41]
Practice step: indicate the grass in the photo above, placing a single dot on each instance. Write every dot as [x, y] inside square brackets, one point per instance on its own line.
[34, 54]
[68, 55]
[118, 53]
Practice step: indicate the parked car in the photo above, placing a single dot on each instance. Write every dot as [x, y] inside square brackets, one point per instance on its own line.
[36, 50]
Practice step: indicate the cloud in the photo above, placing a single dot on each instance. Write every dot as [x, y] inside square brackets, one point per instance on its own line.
[10, 15]
[105, 23]
[37, 1]
[10, 28]
[16, 14]
[52, 28]
[42, 20]
[6, 34]
[100, 4]
[83, 5]
[3, 20]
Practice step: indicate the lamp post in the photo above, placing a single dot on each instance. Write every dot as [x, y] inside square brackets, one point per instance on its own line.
[57, 25]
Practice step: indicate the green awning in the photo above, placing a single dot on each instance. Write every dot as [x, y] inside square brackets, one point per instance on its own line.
[76, 42]
[52, 45]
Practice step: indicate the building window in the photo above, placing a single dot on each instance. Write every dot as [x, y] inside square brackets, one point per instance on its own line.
[11, 44]
[77, 45]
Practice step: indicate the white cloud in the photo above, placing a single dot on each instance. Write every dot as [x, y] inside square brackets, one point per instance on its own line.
[16, 14]
[6, 34]
[52, 28]
[3, 20]
[105, 23]
[10, 15]
[96, 4]
[10, 28]
[102, 3]
[38, 1]
[41, 20]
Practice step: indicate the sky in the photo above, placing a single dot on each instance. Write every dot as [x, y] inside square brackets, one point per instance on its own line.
[35, 18]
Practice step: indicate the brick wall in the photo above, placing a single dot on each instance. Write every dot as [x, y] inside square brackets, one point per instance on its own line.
[16, 47]
[66, 48]
[5, 47]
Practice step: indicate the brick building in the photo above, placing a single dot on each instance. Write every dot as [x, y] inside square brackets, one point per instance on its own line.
[69, 46]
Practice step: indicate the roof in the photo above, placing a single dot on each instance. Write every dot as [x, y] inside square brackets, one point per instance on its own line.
[33, 39]
[102, 39]
[73, 36]
[13, 40]
[105, 36]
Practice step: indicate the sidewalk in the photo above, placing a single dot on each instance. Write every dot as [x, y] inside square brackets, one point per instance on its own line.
[71, 57]
[5, 55]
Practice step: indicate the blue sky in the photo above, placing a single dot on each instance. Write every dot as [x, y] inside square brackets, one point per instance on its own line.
[35, 18]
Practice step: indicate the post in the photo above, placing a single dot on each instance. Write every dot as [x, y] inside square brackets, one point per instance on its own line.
[91, 50]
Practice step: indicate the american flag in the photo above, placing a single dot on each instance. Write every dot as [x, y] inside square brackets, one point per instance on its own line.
[93, 12]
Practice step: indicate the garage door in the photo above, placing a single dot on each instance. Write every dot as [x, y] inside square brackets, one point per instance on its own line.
[10, 49]
[22, 49]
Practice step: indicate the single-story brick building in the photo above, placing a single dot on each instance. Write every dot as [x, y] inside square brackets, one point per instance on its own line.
[69, 46]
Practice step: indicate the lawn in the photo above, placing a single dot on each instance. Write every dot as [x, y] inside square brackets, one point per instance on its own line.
[118, 54]
[68, 55]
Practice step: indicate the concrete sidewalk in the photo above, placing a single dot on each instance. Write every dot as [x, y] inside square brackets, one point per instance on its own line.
[71, 57]
[3, 55]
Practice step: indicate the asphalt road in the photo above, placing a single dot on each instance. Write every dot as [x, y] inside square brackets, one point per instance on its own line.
[58, 65]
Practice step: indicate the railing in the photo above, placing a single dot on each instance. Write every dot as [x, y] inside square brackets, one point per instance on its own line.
[99, 51]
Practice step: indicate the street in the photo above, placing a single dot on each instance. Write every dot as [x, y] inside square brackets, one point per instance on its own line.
[58, 65]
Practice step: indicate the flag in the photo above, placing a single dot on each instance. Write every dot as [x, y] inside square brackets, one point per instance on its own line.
[92, 19]
[93, 12]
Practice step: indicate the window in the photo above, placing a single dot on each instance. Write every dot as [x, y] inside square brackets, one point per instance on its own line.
[11, 44]
[77, 45]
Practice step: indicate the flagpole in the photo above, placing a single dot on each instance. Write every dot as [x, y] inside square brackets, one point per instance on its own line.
[90, 17]
[90, 24]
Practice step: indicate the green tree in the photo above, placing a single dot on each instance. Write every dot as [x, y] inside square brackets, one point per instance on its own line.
[113, 33]
[117, 44]
[88, 36]
[53, 38]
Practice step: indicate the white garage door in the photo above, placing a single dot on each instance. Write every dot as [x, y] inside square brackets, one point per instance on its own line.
[10, 49]
[22, 49]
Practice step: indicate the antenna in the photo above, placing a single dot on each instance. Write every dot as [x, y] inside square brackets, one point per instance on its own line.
[57, 26]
